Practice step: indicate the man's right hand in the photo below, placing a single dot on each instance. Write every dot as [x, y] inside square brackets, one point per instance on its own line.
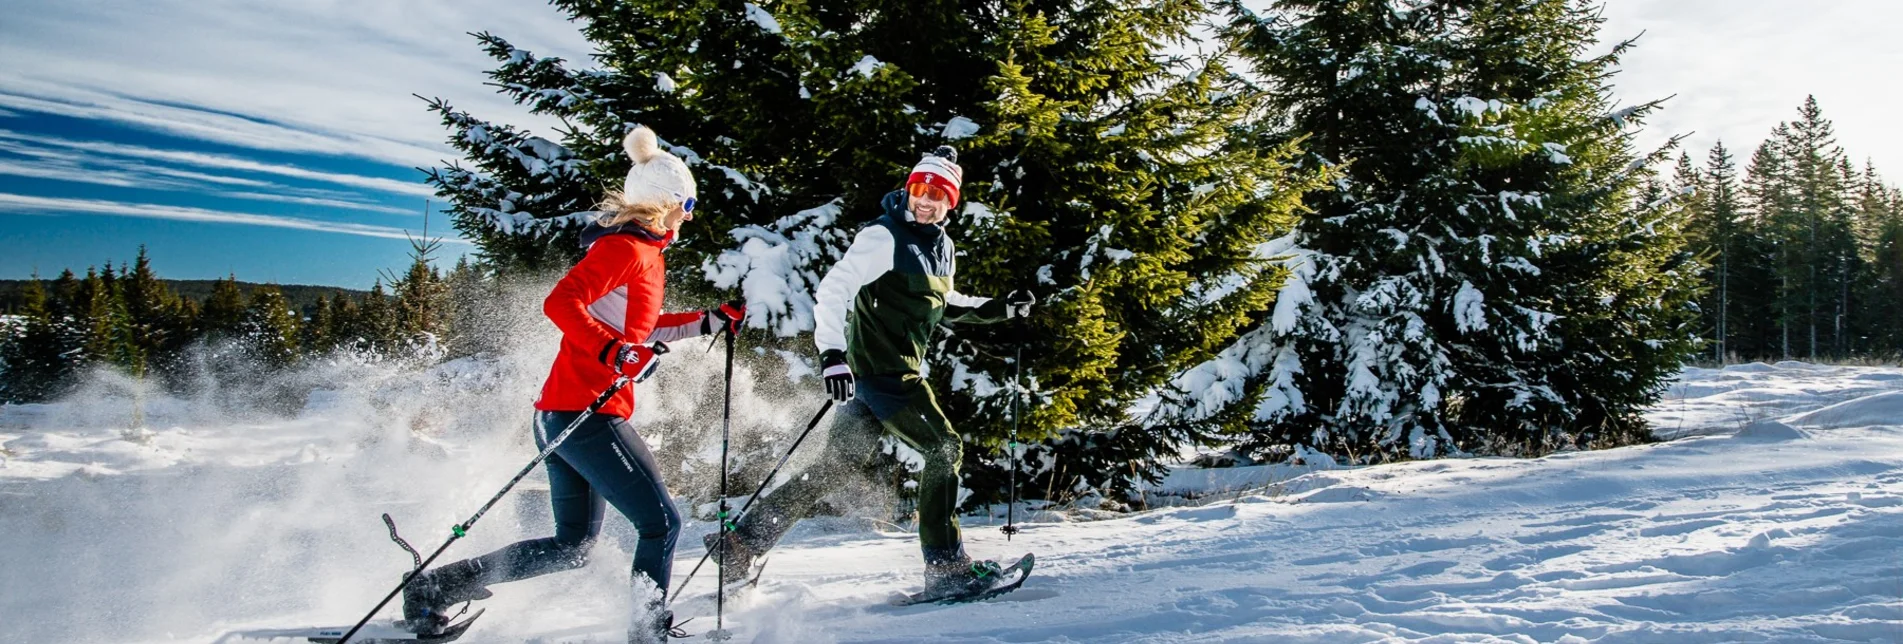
[832, 365]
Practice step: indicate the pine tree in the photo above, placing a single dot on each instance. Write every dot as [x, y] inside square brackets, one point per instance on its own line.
[1729, 240]
[270, 328]
[1767, 195]
[1099, 169]
[98, 321]
[34, 355]
[421, 299]
[223, 314]
[1880, 217]
[1480, 278]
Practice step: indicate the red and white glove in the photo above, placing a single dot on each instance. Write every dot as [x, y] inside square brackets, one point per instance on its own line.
[726, 316]
[637, 360]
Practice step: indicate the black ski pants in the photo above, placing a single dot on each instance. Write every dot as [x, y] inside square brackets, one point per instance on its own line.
[604, 462]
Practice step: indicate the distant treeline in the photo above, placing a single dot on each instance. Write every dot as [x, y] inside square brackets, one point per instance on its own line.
[127, 318]
[302, 297]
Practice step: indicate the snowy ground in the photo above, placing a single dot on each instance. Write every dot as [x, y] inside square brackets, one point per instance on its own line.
[1777, 517]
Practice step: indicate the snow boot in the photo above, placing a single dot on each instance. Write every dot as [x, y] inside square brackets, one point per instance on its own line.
[956, 578]
[739, 558]
[656, 629]
[428, 598]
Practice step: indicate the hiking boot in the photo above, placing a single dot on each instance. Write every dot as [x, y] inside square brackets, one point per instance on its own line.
[953, 578]
[739, 557]
[657, 630]
[428, 598]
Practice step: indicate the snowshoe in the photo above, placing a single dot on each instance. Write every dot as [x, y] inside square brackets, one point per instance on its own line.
[372, 633]
[973, 581]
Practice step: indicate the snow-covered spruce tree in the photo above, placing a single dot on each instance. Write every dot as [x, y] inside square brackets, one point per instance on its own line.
[1099, 171]
[1482, 277]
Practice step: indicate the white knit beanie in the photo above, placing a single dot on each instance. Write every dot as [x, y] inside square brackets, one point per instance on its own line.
[656, 177]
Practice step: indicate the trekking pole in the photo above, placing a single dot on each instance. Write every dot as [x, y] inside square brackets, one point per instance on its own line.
[756, 491]
[461, 530]
[1017, 392]
[726, 527]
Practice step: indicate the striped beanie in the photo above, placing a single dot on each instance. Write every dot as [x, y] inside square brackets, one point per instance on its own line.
[940, 168]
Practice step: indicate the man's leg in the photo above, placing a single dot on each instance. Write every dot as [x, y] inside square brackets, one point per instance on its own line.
[851, 442]
[923, 426]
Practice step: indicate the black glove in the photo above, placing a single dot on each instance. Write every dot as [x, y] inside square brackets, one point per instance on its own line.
[1018, 304]
[832, 364]
[726, 316]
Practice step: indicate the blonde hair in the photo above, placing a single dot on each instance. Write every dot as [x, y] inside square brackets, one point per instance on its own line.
[616, 210]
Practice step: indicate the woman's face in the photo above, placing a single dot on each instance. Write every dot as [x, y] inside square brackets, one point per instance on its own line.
[675, 217]
[929, 209]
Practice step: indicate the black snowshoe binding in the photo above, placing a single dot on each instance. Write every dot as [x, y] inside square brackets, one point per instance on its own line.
[429, 600]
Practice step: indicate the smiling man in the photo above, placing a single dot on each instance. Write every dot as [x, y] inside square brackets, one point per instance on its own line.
[875, 314]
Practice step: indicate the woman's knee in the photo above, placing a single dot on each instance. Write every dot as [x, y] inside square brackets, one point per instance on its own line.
[665, 522]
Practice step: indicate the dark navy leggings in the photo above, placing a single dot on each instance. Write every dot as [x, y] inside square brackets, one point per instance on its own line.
[603, 461]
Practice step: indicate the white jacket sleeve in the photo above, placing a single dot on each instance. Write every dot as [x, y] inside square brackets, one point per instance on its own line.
[869, 257]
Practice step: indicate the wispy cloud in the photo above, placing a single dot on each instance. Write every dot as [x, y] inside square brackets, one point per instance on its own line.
[29, 205]
[320, 201]
[67, 166]
[217, 161]
[330, 78]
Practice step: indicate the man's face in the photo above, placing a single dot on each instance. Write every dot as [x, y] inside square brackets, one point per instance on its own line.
[930, 206]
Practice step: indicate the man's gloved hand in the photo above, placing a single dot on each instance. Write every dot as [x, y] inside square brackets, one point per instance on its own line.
[1018, 304]
[726, 316]
[832, 365]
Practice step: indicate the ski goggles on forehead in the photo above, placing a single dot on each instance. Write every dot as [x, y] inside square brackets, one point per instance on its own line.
[928, 191]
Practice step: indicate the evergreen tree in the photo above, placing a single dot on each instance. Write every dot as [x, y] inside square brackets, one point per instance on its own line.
[156, 316]
[98, 320]
[223, 315]
[421, 306]
[1768, 197]
[1880, 214]
[1728, 241]
[270, 328]
[34, 355]
[1481, 276]
[1102, 171]
[321, 329]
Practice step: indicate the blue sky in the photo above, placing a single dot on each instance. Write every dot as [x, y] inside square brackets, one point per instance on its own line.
[279, 140]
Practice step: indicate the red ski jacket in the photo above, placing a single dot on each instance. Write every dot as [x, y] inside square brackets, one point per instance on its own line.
[612, 296]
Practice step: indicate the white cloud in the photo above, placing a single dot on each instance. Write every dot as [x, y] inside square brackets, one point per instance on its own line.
[1738, 67]
[26, 205]
[329, 78]
[223, 162]
[67, 166]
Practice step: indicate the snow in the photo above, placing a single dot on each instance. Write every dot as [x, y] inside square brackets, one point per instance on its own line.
[867, 66]
[762, 18]
[1776, 518]
[959, 127]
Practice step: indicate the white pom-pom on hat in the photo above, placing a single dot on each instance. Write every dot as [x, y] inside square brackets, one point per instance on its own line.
[656, 176]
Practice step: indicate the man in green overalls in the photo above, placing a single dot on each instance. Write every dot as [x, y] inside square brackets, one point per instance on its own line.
[874, 317]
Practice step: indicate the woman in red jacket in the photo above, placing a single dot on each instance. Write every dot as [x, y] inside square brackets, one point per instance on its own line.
[608, 308]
